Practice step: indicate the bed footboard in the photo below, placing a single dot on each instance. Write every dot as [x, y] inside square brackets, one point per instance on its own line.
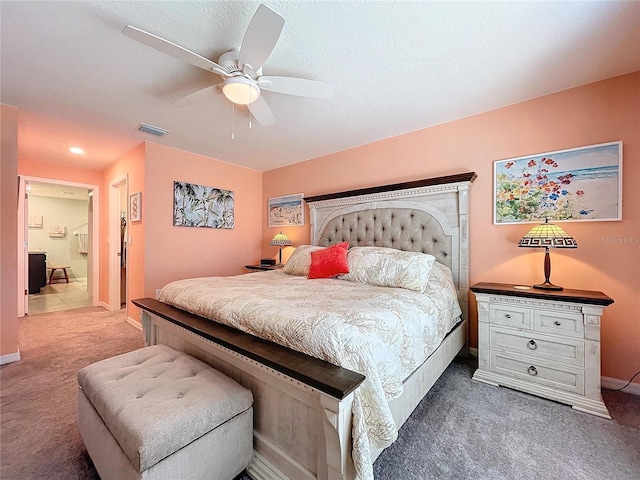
[302, 405]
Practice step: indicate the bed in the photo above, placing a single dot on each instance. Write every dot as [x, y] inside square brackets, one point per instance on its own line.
[310, 411]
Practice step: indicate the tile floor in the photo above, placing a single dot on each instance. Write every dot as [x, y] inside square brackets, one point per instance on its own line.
[60, 296]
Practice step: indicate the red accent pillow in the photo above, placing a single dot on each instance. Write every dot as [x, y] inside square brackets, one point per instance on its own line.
[329, 262]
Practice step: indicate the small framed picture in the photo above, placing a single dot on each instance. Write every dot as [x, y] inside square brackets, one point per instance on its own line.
[135, 207]
[35, 221]
[287, 210]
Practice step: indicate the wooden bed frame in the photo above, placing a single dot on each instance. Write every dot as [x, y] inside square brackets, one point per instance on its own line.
[302, 405]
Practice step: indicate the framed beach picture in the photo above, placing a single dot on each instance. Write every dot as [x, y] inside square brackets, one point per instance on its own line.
[286, 211]
[579, 184]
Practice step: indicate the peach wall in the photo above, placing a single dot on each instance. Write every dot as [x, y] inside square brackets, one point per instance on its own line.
[35, 168]
[130, 165]
[159, 252]
[173, 253]
[596, 113]
[9, 350]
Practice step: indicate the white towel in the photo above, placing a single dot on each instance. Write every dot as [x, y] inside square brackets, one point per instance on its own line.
[83, 242]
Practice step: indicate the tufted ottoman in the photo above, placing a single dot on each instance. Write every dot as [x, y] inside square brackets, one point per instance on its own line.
[156, 413]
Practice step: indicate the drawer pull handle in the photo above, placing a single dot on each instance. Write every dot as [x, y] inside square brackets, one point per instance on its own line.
[532, 370]
[507, 315]
[557, 323]
[532, 344]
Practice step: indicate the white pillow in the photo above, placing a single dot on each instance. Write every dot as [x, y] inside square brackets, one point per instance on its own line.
[388, 267]
[440, 278]
[300, 260]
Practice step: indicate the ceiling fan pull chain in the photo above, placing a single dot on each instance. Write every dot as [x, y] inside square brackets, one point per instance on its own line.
[250, 101]
[233, 121]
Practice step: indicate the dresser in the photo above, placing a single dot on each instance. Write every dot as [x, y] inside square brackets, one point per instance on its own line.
[37, 271]
[546, 343]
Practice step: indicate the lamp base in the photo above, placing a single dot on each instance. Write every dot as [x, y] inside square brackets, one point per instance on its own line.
[548, 286]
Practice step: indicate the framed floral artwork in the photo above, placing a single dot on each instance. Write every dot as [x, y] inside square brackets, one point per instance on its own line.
[579, 184]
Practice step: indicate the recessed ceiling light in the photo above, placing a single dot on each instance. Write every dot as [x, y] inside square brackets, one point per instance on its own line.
[76, 150]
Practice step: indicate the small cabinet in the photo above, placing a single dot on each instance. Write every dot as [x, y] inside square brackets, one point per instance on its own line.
[37, 271]
[546, 343]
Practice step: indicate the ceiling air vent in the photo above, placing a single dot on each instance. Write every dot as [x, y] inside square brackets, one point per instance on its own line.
[157, 131]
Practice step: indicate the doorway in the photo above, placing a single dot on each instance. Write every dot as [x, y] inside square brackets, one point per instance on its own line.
[118, 243]
[57, 227]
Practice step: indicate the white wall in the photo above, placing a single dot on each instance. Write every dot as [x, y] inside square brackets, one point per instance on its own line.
[72, 214]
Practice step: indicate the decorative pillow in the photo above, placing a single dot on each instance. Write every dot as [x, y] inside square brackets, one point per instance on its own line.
[388, 267]
[300, 259]
[329, 262]
[440, 277]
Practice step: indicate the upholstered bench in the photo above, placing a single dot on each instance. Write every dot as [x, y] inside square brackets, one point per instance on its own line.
[156, 413]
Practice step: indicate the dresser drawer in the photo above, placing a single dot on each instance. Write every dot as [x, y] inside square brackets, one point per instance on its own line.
[559, 323]
[533, 345]
[510, 316]
[560, 377]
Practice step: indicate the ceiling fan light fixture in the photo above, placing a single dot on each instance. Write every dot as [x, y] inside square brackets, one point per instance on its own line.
[240, 90]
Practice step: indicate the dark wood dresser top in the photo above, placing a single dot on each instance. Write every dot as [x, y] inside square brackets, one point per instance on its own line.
[566, 295]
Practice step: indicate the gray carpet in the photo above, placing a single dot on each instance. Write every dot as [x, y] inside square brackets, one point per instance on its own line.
[461, 430]
[39, 438]
[465, 429]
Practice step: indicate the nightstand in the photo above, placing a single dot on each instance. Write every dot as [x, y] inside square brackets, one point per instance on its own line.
[546, 343]
[262, 268]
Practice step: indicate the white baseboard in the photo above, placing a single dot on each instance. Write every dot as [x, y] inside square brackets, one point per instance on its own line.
[104, 305]
[10, 358]
[133, 323]
[614, 383]
[473, 352]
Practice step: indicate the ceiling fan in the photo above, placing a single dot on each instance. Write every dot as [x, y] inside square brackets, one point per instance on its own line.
[242, 67]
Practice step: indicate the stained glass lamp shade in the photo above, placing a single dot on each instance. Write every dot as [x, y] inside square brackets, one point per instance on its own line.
[547, 235]
[280, 240]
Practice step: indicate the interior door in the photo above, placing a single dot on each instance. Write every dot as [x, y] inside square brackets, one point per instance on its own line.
[23, 248]
[90, 247]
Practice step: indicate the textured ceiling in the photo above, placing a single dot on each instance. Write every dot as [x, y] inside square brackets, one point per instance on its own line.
[397, 67]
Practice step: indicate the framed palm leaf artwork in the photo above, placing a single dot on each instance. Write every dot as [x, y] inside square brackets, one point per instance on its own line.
[579, 184]
[200, 206]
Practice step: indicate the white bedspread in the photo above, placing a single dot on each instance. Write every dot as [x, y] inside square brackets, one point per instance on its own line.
[383, 333]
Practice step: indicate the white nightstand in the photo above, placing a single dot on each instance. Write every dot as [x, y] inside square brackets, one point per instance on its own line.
[546, 343]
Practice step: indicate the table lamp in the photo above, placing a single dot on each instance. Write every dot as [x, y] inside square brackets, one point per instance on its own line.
[547, 235]
[280, 240]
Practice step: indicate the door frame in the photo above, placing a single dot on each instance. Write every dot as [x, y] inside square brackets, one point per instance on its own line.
[114, 241]
[23, 247]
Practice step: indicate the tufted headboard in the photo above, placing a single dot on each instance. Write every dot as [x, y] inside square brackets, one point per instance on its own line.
[409, 229]
[429, 216]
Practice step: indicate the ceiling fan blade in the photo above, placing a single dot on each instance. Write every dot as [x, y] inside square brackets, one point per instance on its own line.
[296, 86]
[260, 38]
[172, 49]
[199, 96]
[262, 113]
